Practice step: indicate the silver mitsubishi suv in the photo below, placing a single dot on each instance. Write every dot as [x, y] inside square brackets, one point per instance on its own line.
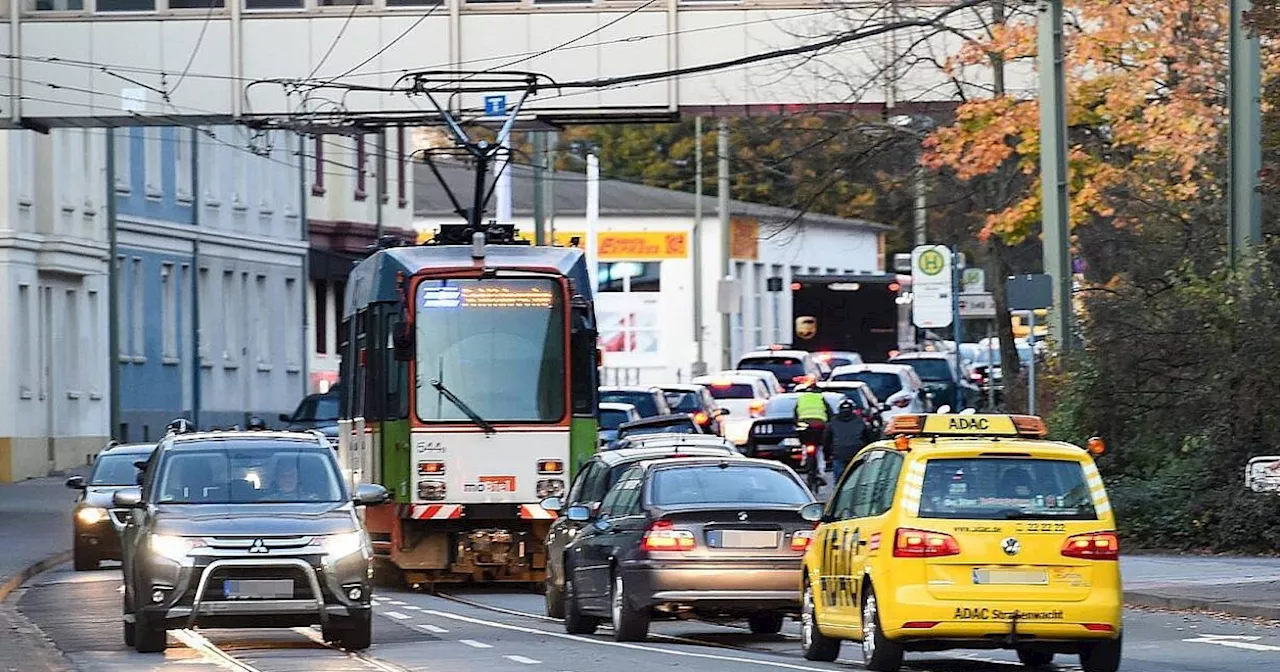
[246, 530]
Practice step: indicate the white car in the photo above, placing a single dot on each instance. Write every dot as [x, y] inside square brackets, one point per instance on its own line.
[771, 383]
[896, 385]
[743, 396]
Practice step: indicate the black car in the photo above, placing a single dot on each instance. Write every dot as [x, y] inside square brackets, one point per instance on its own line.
[696, 400]
[711, 537]
[593, 481]
[649, 401]
[676, 423]
[774, 435]
[96, 520]
[864, 401]
[315, 411]
[941, 378]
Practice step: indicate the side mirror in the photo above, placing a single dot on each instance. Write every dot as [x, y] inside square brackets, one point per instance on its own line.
[285, 417]
[812, 511]
[370, 494]
[127, 498]
[578, 514]
[551, 504]
[76, 483]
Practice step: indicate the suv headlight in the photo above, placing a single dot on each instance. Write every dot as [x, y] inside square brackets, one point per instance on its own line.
[173, 548]
[342, 545]
[91, 514]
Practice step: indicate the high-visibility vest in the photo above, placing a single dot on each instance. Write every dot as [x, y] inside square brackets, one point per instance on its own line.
[811, 406]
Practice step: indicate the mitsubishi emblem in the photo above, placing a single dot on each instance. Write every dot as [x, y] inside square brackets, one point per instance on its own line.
[742, 515]
[1010, 546]
[257, 547]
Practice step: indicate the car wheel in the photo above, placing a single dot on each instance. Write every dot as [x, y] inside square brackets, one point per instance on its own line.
[1032, 658]
[816, 646]
[83, 559]
[129, 637]
[629, 625]
[353, 634]
[878, 652]
[1103, 656]
[148, 637]
[575, 622]
[765, 624]
[554, 598]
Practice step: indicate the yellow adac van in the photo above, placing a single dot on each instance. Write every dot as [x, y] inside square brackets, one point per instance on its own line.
[966, 531]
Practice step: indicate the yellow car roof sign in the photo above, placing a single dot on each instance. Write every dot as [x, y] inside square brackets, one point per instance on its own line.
[934, 424]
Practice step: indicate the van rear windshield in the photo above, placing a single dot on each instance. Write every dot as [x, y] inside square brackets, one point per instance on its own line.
[733, 391]
[1004, 488]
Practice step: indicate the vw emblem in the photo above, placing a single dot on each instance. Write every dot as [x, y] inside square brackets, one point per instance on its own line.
[742, 515]
[257, 547]
[1010, 546]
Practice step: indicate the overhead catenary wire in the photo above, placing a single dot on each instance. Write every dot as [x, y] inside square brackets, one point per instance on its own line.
[195, 50]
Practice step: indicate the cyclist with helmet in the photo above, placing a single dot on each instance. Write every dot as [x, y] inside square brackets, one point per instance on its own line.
[811, 417]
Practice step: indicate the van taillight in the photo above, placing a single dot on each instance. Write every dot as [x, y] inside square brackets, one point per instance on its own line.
[1094, 546]
[909, 543]
[662, 536]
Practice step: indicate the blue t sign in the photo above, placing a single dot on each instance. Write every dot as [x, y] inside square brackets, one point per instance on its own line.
[495, 106]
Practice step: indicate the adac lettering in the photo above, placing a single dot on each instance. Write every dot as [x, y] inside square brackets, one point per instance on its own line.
[960, 423]
[989, 614]
[837, 584]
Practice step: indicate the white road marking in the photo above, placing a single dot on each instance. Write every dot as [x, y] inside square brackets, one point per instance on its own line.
[474, 644]
[1245, 642]
[396, 615]
[196, 642]
[621, 645]
[397, 603]
[522, 660]
[413, 607]
[315, 636]
[435, 629]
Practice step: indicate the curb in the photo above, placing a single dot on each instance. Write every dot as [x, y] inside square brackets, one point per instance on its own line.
[16, 581]
[1158, 601]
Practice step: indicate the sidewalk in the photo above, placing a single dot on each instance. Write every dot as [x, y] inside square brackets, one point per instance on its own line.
[1240, 586]
[35, 525]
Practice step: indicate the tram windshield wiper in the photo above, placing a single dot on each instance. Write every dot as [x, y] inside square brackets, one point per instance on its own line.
[462, 406]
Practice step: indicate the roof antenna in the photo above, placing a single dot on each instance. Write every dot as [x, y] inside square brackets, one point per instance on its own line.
[477, 245]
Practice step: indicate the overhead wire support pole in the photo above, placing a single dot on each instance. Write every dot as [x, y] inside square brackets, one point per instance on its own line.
[1053, 168]
[700, 364]
[1244, 93]
[722, 197]
[113, 290]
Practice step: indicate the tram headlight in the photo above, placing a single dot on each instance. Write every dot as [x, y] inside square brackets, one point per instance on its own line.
[550, 487]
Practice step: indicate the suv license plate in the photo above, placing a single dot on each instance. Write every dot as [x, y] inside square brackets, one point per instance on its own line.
[258, 589]
[1011, 577]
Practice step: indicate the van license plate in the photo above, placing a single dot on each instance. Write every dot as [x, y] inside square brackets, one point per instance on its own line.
[258, 589]
[1010, 577]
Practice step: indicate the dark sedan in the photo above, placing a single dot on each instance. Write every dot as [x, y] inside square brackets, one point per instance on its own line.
[660, 424]
[697, 401]
[97, 522]
[316, 411]
[708, 537]
[775, 437]
[649, 401]
[589, 488]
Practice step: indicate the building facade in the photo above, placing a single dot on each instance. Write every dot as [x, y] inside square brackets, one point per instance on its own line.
[212, 285]
[54, 403]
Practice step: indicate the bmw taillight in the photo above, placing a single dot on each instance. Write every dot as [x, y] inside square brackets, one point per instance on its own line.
[909, 543]
[662, 535]
[1095, 546]
[801, 539]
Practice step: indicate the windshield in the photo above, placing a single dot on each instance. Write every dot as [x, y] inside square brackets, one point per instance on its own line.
[116, 469]
[496, 344]
[644, 402]
[785, 368]
[1001, 488]
[853, 394]
[249, 472]
[681, 401]
[738, 484]
[732, 391]
[611, 419]
[883, 385]
[930, 369]
[317, 408]
[685, 426]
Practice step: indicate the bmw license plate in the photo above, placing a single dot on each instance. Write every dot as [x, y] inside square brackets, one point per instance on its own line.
[258, 589]
[743, 539]
[1011, 577]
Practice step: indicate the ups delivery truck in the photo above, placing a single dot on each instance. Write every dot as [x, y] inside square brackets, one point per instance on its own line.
[858, 313]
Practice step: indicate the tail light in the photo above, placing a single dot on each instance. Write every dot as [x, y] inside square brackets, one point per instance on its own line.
[909, 543]
[976, 376]
[810, 449]
[701, 418]
[902, 402]
[801, 540]
[1096, 546]
[663, 536]
[756, 408]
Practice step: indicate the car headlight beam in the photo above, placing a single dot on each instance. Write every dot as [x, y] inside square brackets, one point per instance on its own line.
[90, 515]
[342, 545]
[173, 547]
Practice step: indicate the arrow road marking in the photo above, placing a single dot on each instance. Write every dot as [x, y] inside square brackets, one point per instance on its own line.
[1245, 642]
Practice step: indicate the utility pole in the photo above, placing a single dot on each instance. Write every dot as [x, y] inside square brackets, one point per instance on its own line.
[549, 198]
[113, 290]
[1246, 147]
[1053, 168]
[380, 162]
[539, 166]
[700, 361]
[196, 399]
[722, 160]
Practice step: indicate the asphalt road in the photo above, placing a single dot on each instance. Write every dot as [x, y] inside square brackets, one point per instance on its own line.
[504, 631]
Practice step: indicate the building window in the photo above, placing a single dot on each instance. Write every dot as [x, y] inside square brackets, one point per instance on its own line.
[629, 276]
[126, 5]
[361, 170]
[90, 164]
[202, 299]
[123, 150]
[414, 3]
[230, 341]
[70, 337]
[317, 180]
[122, 340]
[139, 346]
[273, 4]
[152, 137]
[169, 312]
[196, 4]
[293, 327]
[262, 298]
[339, 303]
[25, 325]
[88, 350]
[239, 186]
[402, 199]
[342, 3]
[210, 171]
[182, 139]
[59, 5]
[757, 304]
[321, 321]
[382, 166]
